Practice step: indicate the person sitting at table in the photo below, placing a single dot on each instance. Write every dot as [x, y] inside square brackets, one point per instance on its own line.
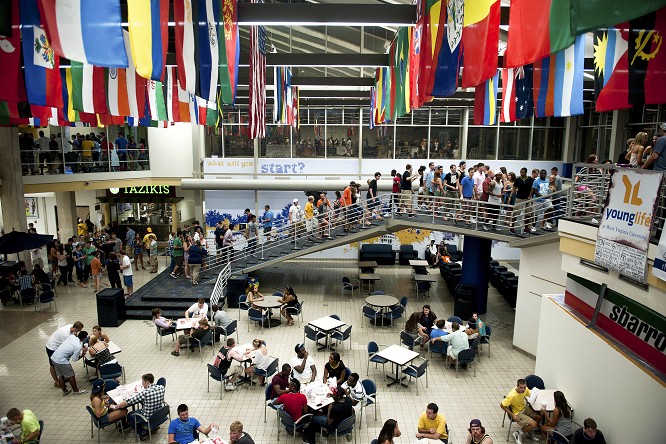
[39, 277]
[25, 280]
[221, 320]
[412, 326]
[515, 405]
[195, 333]
[338, 411]
[457, 342]
[167, 325]
[290, 300]
[223, 363]
[237, 436]
[151, 399]
[295, 403]
[181, 430]
[334, 368]
[199, 309]
[30, 428]
[426, 321]
[355, 391]
[475, 327]
[432, 424]
[280, 382]
[260, 359]
[100, 402]
[561, 419]
[477, 433]
[303, 366]
[439, 331]
[99, 350]
[588, 434]
[97, 332]
[253, 296]
[389, 431]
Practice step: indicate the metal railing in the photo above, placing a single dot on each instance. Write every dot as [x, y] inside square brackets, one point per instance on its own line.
[220, 285]
[35, 162]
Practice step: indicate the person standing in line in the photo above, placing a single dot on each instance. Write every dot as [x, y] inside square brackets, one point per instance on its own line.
[152, 253]
[96, 272]
[113, 269]
[146, 242]
[178, 254]
[251, 233]
[267, 221]
[196, 259]
[126, 267]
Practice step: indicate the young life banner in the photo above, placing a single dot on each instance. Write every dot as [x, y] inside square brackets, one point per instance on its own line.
[659, 267]
[624, 231]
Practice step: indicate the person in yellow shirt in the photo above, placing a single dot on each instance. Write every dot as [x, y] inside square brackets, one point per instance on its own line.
[87, 147]
[146, 241]
[432, 424]
[515, 405]
[30, 429]
[310, 220]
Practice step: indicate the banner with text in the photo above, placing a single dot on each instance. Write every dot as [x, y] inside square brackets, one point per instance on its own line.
[659, 267]
[626, 220]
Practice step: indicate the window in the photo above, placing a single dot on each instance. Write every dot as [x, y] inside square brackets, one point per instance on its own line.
[481, 142]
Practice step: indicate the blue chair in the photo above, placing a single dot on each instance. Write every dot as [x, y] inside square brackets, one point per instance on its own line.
[270, 370]
[423, 289]
[268, 401]
[341, 336]
[416, 371]
[485, 339]
[346, 427]
[334, 316]
[455, 319]
[377, 293]
[28, 296]
[373, 348]
[374, 441]
[466, 357]
[311, 334]
[291, 426]
[403, 302]
[349, 285]
[534, 381]
[296, 311]
[41, 430]
[161, 332]
[371, 398]
[94, 421]
[204, 341]
[242, 304]
[370, 313]
[161, 381]
[438, 348]
[228, 330]
[214, 372]
[44, 297]
[159, 417]
[394, 314]
[278, 293]
[409, 340]
[255, 315]
[111, 371]
[110, 384]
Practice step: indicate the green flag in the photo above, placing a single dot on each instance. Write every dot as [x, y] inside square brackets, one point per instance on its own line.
[590, 15]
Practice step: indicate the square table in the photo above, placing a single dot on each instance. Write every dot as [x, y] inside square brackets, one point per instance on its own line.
[317, 395]
[399, 356]
[326, 325]
[370, 278]
[418, 263]
[547, 396]
[238, 354]
[367, 264]
[125, 391]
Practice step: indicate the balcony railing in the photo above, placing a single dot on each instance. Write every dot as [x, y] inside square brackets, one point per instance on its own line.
[34, 162]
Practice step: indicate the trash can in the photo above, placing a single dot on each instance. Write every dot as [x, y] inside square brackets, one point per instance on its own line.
[464, 301]
[235, 287]
[111, 307]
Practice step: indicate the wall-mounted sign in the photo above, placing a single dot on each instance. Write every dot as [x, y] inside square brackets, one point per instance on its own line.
[143, 190]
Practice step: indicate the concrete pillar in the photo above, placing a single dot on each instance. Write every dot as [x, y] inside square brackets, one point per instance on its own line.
[66, 203]
[569, 147]
[11, 194]
[106, 213]
[198, 206]
[175, 222]
[476, 255]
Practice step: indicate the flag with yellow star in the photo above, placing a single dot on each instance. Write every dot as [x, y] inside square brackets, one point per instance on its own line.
[611, 77]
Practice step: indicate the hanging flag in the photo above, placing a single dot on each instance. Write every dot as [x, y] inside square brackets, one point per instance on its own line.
[295, 107]
[569, 79]
[399, 62]
[590, 15]
[42, 66]
[156, 100]
[116, 92]
[70, 114]
[373, 102]
[647, 59]
[480, 41]
[508, 113]
[433, 34]
[86, 31]
[523, 92]
[208, 49]
[12, 88]
[184, 12]
[528, 42]
[172, 105]
[229, 51]
[415, 46]
[211, 114]
[449, 56]
[136, 86]
[257, 80]
[611, 69]
[148, 22]
[544, 86]
[485, 102]
[88, 90]
[184, 106]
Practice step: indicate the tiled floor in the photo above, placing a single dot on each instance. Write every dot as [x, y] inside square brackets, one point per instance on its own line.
[25, 381]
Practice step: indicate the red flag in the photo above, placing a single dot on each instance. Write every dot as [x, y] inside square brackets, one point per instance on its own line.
[433, 32]
[257, 79]
[12, 88]
[480, 41]
[415, 49]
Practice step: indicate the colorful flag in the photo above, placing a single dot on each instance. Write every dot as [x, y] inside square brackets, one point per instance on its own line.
[42, 66]
[116, 92]
[12, 88]
[523, 92]
[569, 79]
[544, 86]
[86, 31]
[611, 69]
[415, 45]
[156, 100]
[485, 102]
[148, 22]
[647, 59]
[528, 42]
[257, 80]
[136, 85]
[480, 41]
[295, 107]
[508, 112]
[399, 63]
[449, 57]
[184, 13]
[589, 15]
[229, 51]
[433, 32]
[208, 49]
[172, 105]
[88, 93]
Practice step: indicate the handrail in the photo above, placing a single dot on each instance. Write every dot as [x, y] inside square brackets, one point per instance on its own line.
[220, 285]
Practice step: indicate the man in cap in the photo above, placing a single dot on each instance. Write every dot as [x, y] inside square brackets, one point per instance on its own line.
[295, 216]
[146, 243]
[477, 433]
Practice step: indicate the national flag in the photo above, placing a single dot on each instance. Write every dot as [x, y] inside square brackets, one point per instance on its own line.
[229, 51]
[184, 105]
[185, 12]
[589, 15]
[106, 119]
[172, 105]
[449, 56]
[536, 29]
[70, 114]
[611, 69]
[296, 107]
[433, 32]
[569, 79]
[116, 92]
[156, 100]
[12, 88]
[257, 80]
[480, 39]
[8, 110]
[208, 49]
[148, 22]
[523, 92]
[88, 93]
[647, 59]
[399, 63]
[415, 46]
[485, 102]
[544, 86]
[508, 113]
[373, 101]
[136, 85]
[42, 66]
[211, 114]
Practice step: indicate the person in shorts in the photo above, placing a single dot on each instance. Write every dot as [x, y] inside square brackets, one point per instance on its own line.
[515, 405]
[126, 267]
[96, 271]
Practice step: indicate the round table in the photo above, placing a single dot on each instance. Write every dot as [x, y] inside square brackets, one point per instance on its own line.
[383, 302]
[270, 302]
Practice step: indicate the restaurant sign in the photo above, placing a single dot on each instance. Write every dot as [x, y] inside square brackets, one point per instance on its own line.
[143, 190]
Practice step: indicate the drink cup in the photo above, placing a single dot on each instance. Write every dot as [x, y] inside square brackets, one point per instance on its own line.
[213, 429]
[544, 404]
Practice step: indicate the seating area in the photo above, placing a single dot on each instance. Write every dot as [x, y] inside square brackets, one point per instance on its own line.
[506, 282]
[381, 253]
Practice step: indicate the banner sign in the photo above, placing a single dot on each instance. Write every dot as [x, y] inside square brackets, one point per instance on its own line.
[631, 324]
[659, 267]
[624, 232]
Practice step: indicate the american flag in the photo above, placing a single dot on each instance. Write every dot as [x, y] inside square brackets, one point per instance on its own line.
[257, 95]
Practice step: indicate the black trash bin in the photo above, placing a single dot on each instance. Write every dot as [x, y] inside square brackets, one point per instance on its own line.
[464, 301]
[235, 287]
[111, 307]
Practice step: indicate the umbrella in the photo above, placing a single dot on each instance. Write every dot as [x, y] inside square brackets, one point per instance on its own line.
[18, 241]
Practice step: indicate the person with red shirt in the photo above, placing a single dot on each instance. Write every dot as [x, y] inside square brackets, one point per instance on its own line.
[295, 403]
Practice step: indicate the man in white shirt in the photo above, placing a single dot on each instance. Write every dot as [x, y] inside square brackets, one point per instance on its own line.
[355, 391]
[71, 348]
[295, 216]
[303, 366]
[57, 338]
[457, 340]
[478, 177]
[126, 266]
[200, 309]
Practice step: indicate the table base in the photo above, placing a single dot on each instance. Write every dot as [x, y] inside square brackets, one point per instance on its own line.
[396, 380]
[381, 322]
[271, 323]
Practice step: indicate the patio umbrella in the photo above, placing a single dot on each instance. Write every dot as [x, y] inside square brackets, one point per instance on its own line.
[18, 241]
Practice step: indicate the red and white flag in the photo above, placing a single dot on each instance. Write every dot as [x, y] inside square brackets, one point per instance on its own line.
[185, 16]
[257, 79]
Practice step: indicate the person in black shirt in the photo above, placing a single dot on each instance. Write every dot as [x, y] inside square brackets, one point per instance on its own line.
[338, 411]
[406, 203]
[521, 189]
[452, 189]
[371, 196]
